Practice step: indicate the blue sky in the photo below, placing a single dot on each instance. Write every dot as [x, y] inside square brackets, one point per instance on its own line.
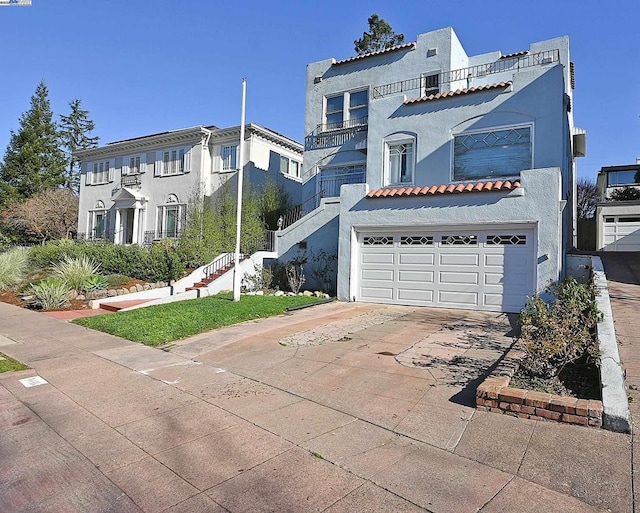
[145, 66]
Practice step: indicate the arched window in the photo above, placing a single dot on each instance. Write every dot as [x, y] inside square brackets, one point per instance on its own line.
[170, 218]
[400, 159]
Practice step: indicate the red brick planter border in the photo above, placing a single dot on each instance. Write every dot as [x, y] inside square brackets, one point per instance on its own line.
[495, 395]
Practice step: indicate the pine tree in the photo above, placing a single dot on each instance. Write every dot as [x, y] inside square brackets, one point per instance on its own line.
[75, 130]
[380, 37]
[33, 161]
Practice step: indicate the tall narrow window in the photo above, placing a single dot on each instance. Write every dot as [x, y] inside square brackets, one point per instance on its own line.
[358, 107]
[229, 157]
[335, 111]
[401, 163]
[431, 84]
[170, 218]
[100, 172]
[134, 165]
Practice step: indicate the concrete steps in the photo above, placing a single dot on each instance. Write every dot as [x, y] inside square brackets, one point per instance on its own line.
[214, 276]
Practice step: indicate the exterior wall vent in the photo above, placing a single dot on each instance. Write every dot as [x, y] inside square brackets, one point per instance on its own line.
[432, 52]
[572, 72]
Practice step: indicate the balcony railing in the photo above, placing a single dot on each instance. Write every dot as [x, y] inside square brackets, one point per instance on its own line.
[95, 236]
[329, 135]
[330, 183]
[131, 180]
[152, 236]
[510, 64]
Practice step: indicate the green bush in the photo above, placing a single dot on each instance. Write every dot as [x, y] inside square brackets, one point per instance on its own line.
[555, 334]
[117, 280]
[13, 265]
[158, 263]
[76, 272]
[50, 293]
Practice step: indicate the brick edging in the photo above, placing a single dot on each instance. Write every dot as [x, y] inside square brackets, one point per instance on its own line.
[494, 394]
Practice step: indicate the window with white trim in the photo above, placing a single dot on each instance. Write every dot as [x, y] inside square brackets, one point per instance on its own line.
[173, 162]
[133, 165]
[347, 109]
[170, 218]
[229, 156]
[497, 153]
[400, 162]
[289, 166]
[100, 172]
[98, 221]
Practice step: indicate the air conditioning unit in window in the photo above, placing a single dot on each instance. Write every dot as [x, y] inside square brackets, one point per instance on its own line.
[579, 142]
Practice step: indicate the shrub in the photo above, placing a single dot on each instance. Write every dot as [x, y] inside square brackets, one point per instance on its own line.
[556, 334]
[260, 280]
[117, 280]
[76, 272]
[95, 282]
[13, 264]
[50, 293]
[159, 262]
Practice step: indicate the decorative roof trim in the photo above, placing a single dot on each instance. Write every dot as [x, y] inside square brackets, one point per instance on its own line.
[379, 52]
[514, 54]
[452, 188]
[458, 92]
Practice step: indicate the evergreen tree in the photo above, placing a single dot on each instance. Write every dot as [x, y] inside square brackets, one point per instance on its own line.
[380, 37]
[75, 130]
[33, 161]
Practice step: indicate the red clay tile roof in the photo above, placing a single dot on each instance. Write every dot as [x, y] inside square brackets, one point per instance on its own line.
[498, 185]
[515, 54]
[365, 55]
[458, 92]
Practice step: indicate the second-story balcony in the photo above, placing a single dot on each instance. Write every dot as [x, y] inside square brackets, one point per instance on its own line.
[328, 135]
[131, 180]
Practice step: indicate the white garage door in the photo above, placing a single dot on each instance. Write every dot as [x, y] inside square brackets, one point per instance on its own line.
[621, 233]
[480, 270]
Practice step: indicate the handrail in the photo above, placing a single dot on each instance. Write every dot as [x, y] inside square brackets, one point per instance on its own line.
[218, 263]
[299, 211]
[515, 63]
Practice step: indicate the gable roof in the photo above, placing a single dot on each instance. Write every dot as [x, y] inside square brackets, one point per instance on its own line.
[451, 188]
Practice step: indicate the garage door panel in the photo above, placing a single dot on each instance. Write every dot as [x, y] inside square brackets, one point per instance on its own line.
[378, 274]
[494, 260]
[493, 278]
[416, 276]
[415, 295]
[376, 293]
[621, 234]
[458, 298]
[447, 278]
[416, 258]
[377, 258]
[459, 259]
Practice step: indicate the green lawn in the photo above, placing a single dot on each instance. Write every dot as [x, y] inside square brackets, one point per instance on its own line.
[155, 325]
[9, 364]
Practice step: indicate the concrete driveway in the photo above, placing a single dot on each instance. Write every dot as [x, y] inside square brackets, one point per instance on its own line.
[336, 408]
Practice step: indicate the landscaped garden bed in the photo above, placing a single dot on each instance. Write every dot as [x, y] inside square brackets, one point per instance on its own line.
[552, 372]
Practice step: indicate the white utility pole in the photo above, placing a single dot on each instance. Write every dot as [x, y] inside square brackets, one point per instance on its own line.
[236, 266]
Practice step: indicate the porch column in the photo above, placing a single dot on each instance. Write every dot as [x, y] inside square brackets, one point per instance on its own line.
[117, 230]
[136, 228]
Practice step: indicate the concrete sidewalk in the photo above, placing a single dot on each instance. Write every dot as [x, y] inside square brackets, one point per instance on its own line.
[336, 408]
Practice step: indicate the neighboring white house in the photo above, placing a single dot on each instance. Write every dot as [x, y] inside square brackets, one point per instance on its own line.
[618, 222]
[136, 191]
[439, 178]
